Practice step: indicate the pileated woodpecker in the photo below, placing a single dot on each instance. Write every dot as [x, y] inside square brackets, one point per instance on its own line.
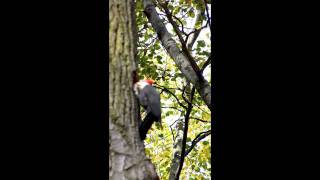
[149, 98]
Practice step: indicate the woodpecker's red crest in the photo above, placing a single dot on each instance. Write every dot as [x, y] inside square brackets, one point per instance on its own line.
[149, 81]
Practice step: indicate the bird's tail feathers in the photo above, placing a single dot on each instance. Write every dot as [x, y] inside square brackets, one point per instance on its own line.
[146, 125]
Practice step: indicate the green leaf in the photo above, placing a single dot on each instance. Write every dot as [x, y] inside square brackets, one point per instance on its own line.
[201, 43]
[188, 139]
[159, 58]
[157, 125]
[184, 9]
[191, 13]
[176, 11]
[205, 142]
[157, 46]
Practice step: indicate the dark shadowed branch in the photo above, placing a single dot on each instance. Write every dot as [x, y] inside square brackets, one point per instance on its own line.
[185, 134]
[197, 139]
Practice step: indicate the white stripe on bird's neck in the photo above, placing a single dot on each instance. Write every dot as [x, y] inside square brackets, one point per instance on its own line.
[139, 86]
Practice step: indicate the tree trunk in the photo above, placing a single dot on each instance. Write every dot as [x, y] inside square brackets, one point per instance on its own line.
[127, 159]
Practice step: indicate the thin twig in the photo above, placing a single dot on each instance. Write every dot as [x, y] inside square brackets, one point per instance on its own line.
[207, 13]
[173, 23]
[206, 64]
[197, 139]
[168, 91]
[198, 119]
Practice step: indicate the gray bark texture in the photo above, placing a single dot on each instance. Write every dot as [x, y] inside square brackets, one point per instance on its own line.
[174, 167]
[127, 159]
[179, 57]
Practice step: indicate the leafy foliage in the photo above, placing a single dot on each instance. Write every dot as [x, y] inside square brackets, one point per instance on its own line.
[155, 63]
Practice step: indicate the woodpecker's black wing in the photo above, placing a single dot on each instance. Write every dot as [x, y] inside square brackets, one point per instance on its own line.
[150, 99]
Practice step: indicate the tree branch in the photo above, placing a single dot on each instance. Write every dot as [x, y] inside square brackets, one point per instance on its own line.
[206, 64]
[185, 134]
[176, 151]
[182, 27]
[168, 91]
[205, 3]
[182, 41]
[173, 23]
[198, 119]
[196, 31]
[197, 139]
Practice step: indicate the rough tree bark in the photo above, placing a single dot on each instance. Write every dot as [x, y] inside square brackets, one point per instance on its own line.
[176, 151]
[127, 159]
